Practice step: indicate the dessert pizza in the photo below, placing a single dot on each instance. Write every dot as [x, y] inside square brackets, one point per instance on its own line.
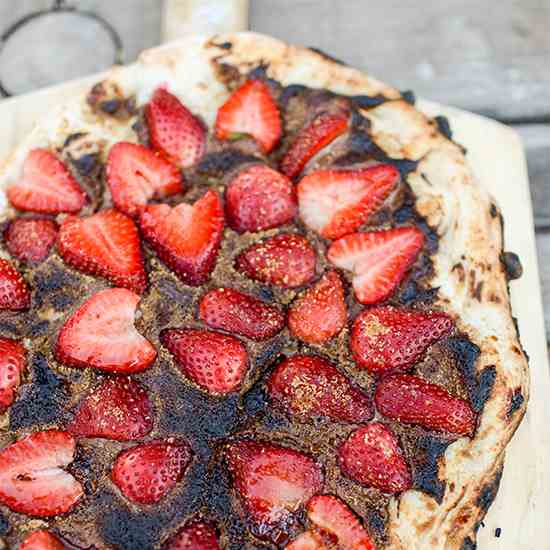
[250, 298]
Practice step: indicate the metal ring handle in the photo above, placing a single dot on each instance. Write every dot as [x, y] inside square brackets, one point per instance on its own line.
[61, 6]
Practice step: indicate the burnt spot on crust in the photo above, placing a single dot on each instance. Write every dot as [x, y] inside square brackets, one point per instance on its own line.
[489, 492]
[468, 544]
[141, 129]
[512, 265]
[444, 126]
[327, 57]
[409, 96]
[106, 98]
[4, 525]
[368, 101]
[218, 163]
[493, 211]
[87, 164]
[516, 402]
[459, 269]
[428, 452]
[225, 45]
[54, 285]
[376, 521]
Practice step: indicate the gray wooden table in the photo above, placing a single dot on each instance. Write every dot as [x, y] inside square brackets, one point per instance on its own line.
[491, 57]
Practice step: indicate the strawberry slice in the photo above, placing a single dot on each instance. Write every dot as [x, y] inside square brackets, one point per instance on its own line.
[107, 245]
[336, 202]
[12, 363]
[234, 311]
[250, 110]
[378, 260]
[214, 361]
[372, 456]
[30, 240]
[333, 516]
[272, 481]
[309, 386]
[187, 237]
[386, 338]
[136, 174]
[148, 472]
[320, 312]
[32, 480]
[101, 334]
[46, 186]
[259, 198]
[174, 130]
[286, 260]
[42, 540]
[412, 400]
[324, 129]
[14, 292]
[196, 535]
[308, 540]
[118, 409]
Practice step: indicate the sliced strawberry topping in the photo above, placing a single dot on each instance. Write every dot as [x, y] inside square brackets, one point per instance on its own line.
[136, 174]
[412, 400]
[118, 409]
[46, 186]
[196, 535]
[372, 456]
[174, 130]
[336, 202]
[12, 363]
[250, 110]
[30, 240]
[234, 311]
[320, 312]
[107, 245]
[259, 198]
[101, 334]
[286, 260]
[309, 386]
[32, 480]
[308, 540]
[148, 472]
[333, 516]
[378, 260]
[386, 338]
[272, 481]
[187, 237]
[214, 361]
[311, 139]
[14, 292]
[42, 540]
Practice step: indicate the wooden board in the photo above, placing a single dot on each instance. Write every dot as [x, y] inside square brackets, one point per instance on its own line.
[497, 157]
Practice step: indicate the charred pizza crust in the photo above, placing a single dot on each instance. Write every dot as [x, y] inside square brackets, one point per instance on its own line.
[467, 268]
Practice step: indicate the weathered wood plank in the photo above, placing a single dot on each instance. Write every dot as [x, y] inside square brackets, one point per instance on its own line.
[482, 56]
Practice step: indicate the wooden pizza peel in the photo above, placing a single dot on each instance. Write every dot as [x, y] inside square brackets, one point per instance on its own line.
[496, 154]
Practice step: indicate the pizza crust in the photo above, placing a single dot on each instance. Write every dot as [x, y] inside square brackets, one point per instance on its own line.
[467, 268]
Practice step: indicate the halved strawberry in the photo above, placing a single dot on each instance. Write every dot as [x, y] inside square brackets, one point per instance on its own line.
[412, 400]
[331, 515]
[32, 480]
[101, 334]
[234, 311]
[386, 338]
[30, 240]
[336, 202]
[46, 186]
[250, 110]
[12, 363]
[187, 237]
[259, 198]
[320, 312]
[378, 259]
[286, 260]
[311, 139]
[136, 174]
[14, 292]
[148, 472]
[372, 456]
[119, 408]
[272, 481]
[42, 540]
[309, 386]
[308, 540]
[195, 535]
[174, 130]
[214, 361]
[107, 245]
